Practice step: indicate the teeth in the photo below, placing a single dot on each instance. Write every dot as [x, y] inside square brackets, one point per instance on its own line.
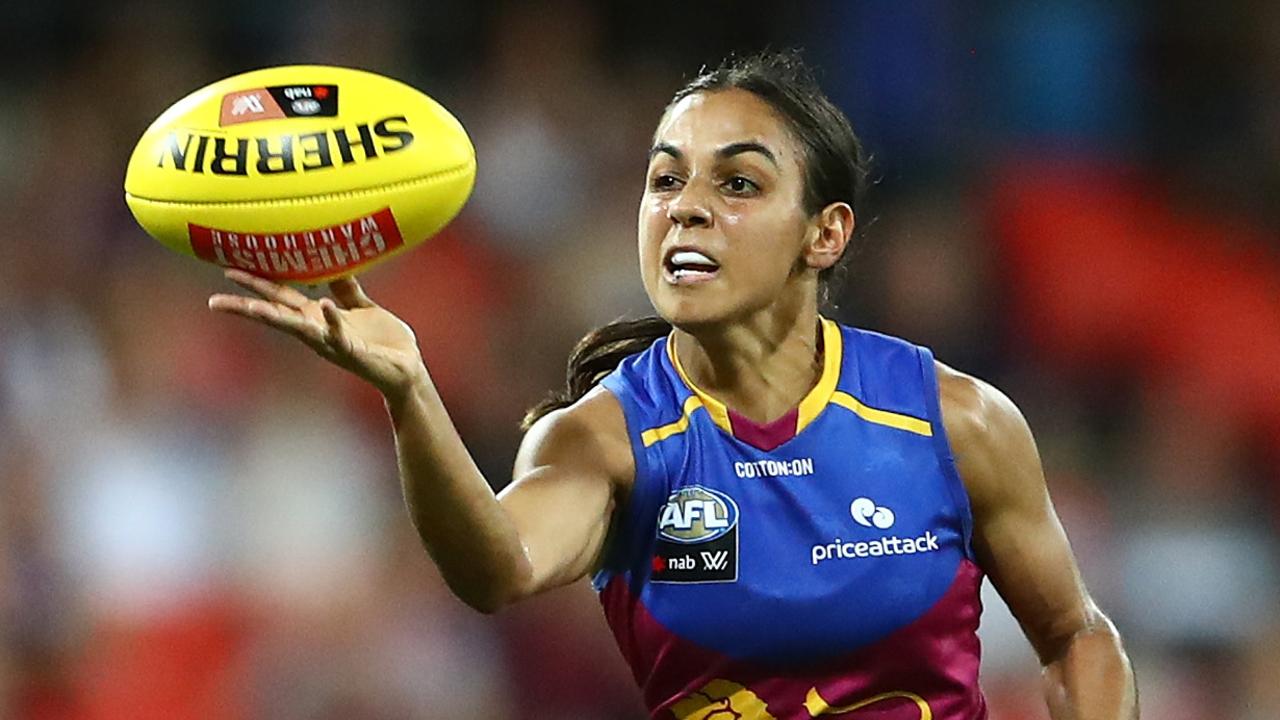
[692, 257]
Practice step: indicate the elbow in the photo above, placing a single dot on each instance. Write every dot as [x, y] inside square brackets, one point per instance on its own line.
[487, 603]
[489, 596]
[1091, 670]
[484, 581]
[1098, 639]
[485, 607]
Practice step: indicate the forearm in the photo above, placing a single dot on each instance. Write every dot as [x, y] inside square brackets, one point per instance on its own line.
[1092, 679]
[459, 519]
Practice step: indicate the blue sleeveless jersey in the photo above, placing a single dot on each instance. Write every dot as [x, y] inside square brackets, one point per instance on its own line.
[818, 566]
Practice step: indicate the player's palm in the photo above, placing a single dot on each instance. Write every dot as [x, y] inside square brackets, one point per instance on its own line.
[349, 330]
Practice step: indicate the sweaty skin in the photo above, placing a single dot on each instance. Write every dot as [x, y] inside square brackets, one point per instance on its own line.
[1021, 546]
[725, 179]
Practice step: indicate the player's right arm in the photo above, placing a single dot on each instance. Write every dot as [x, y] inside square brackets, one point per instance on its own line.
[548, 528]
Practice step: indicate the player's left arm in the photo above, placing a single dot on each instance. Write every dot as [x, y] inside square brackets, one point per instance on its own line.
[1021, 546]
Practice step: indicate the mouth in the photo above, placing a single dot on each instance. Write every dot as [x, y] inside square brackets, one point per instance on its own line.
[686, 266]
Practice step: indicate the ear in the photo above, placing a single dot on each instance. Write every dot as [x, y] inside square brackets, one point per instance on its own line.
[830, 236]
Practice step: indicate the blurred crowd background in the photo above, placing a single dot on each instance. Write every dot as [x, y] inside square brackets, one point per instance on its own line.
[1079, 201]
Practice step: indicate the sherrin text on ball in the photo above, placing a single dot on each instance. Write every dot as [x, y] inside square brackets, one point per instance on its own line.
[301, 173]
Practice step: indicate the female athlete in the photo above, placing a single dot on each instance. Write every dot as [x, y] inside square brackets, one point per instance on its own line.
[784, 517]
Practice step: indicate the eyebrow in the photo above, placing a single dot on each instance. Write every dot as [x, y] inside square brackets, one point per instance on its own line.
[723, 153]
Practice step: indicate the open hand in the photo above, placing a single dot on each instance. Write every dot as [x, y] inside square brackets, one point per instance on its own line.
[349, 329]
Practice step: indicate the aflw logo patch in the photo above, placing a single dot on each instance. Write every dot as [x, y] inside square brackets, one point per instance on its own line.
[697, 537]
[718, 560]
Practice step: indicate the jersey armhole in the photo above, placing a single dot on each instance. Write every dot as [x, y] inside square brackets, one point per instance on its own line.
[942, 448]
[621, 543]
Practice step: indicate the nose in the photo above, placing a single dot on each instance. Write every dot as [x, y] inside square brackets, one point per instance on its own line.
[689, 208]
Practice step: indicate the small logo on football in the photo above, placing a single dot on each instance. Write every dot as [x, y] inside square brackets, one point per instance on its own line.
[305, 106]
[248, 105]
[306, 100]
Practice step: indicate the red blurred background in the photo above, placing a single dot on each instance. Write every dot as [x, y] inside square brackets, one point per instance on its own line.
[1077, 201]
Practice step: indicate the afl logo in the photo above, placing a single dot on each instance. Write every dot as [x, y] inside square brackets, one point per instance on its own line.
[306, 106]
[697, 514]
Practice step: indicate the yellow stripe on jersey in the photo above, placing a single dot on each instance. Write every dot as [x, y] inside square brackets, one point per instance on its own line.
[716, 409]
[820, 395]
[810, 406]
[662, 432]
[882, 417]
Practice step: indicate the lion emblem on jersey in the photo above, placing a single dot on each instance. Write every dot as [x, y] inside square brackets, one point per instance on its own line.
[721, 700]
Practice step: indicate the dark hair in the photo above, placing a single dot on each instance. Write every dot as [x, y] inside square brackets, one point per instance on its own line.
[835, 170]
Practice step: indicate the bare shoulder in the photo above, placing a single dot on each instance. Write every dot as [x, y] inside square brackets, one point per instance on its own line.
[590, 435]
[971, 408]
[989, 436]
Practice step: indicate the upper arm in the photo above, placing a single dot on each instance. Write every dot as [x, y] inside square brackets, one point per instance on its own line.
[573, 469]
[1018, 539]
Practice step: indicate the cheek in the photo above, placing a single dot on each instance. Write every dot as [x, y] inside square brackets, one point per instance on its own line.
[651, 227]
[653, 212]
[772, 244]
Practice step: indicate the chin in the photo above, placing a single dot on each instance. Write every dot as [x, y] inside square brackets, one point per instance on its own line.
[693, 314]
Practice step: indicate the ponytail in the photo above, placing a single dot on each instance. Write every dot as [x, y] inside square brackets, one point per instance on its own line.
[595, 356]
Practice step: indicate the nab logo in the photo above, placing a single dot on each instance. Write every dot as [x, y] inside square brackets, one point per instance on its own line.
[697, 514]
[867, 514]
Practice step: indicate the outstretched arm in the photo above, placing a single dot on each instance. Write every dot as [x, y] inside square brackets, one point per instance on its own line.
[1023, 549]
[547, 529]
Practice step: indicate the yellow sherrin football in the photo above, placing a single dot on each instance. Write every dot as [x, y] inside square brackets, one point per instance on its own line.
[302, 173]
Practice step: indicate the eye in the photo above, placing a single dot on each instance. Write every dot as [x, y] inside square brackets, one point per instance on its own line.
[739, 185]
[664, 181]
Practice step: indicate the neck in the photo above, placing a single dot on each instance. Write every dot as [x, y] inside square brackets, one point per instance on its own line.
[761, 367]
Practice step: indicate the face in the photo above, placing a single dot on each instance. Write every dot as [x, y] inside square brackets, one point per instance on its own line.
[723, 233]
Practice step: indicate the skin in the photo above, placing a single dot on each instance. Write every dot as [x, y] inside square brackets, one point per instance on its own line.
[725, 178]
[749, 335]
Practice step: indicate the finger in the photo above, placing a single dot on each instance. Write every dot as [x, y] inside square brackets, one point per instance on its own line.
[349, 294]
[269, 290]
[269, 314]
[336, 327]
